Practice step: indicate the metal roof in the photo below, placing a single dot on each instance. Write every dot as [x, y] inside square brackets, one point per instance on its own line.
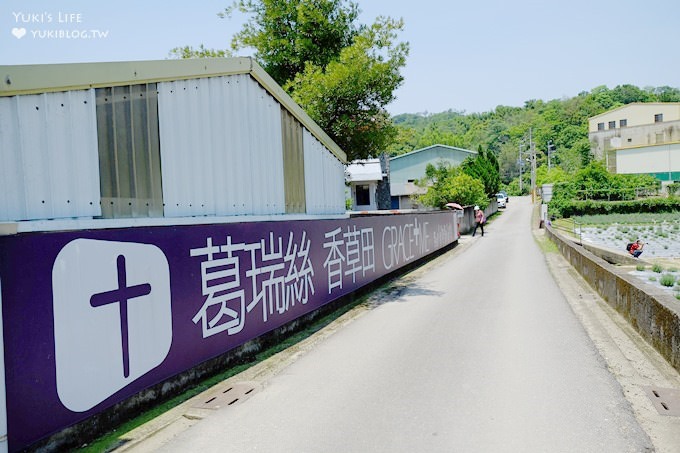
[35, 79]
[365, 170]
[634, 105]
[446, 147]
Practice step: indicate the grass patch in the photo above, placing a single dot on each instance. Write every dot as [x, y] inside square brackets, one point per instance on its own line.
[668, 280]
[547, 245]
[657, 268]
[652, 279]
[640, 267]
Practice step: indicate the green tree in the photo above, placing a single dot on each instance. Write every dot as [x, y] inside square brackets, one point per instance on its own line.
[484, 167]
[594, 182]
[446, 184]
[435, 135]
[341, 73]
[666, 94]
[552, 176]
[347, 98]
[201, 52]
[625, 94]
[288, 34]
[404, 142]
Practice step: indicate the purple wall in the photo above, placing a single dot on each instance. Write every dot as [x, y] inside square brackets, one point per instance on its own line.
[93, 317]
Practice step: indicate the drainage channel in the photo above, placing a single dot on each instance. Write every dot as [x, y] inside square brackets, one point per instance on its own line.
[228, 396]
[666, 401]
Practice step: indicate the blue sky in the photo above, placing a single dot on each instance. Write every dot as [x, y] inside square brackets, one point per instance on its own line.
[465, 55]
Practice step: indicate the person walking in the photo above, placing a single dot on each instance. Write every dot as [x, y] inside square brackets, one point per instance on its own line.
[479, 221]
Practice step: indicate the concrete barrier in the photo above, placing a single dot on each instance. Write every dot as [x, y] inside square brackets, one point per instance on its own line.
[652, 312]
[200, 297]
[467, 220]
[614, 257]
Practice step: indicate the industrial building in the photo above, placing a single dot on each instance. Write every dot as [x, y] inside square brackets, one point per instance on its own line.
[639, 138]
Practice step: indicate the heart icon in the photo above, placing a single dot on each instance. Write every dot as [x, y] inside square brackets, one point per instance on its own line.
[19, 32]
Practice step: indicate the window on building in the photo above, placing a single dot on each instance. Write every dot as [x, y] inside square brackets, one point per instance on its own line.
[363, 195]
[612, 125]
[600, 126]
[129, 151]
[623, 123]
[658, 118]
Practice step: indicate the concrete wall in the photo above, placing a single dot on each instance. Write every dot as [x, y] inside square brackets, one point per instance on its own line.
[652, 312]
[634, 136]
[60, 343]
[467, 220]
[663, 161]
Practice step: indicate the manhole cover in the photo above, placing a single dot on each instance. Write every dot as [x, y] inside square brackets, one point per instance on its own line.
[229, 395]
[666, 401]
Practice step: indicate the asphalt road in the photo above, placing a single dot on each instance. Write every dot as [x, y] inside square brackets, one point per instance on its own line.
[478, 352]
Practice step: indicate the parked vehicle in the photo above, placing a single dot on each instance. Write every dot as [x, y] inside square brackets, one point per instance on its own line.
[501, 200]
[505, 194]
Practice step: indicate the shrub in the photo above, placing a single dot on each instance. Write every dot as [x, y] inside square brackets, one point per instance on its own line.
[657, 268]
[445, 185]
[667, 280]
[570, 208]
[652, 279]
[673, 188]
[640, 267]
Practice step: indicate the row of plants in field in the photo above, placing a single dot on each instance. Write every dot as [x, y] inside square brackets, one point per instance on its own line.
[634, 219]
[668, 277]
[570, 208]
[662, 233]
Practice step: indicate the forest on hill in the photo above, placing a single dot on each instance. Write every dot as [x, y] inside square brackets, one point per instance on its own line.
[561, 123]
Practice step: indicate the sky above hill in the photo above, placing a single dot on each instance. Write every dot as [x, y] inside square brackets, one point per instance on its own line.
[466, 56]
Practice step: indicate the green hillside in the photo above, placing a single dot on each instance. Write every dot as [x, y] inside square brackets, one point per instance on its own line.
[562, 122]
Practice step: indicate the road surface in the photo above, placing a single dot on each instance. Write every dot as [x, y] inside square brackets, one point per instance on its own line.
[476, 352]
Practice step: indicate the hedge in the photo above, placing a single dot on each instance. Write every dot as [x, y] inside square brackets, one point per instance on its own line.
[570, 208]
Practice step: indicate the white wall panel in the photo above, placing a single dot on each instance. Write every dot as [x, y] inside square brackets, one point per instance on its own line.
[651, 159]
[221, 147]
[49, 156]
[324, 178]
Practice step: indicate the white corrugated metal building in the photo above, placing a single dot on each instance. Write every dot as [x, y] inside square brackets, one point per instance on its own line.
[160, 139]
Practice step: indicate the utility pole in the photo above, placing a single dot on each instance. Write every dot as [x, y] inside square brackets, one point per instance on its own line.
[520, 163]
[550, 149]
[532, 150]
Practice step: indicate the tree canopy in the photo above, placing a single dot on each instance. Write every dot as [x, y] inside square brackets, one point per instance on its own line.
[347, 97]
[287, 35]
[340, 72]
[483, 167]
[504, 131]
[446, 184]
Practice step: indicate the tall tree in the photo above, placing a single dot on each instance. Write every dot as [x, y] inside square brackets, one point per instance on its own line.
[341, 73]
[484, 166]
[347, 97]
[287, 34]
[447, 184]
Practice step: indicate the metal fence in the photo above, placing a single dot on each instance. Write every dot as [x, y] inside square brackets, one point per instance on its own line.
[571, 227]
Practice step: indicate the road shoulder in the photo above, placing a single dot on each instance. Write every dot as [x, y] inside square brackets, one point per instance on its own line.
[631, 360]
